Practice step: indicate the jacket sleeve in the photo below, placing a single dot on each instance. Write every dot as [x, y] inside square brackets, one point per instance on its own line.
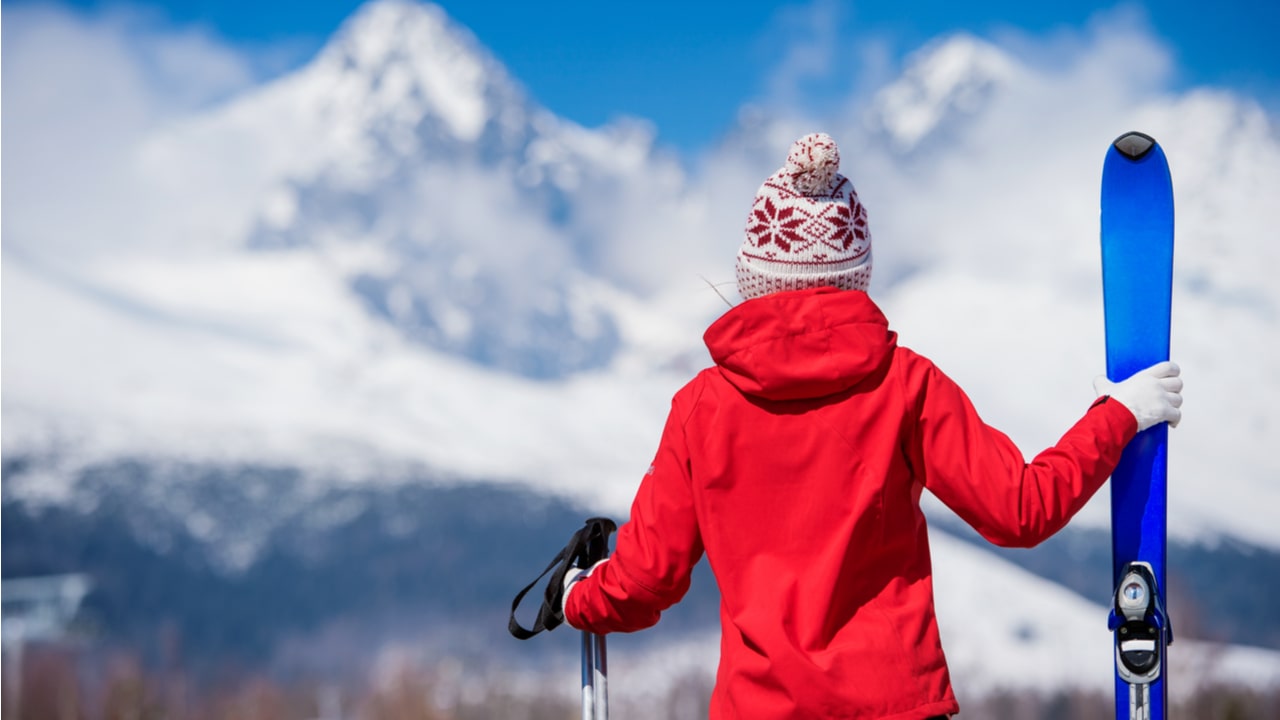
[980, 474]
[655, 550]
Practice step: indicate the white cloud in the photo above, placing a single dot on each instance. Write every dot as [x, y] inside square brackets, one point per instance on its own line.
[81, 92]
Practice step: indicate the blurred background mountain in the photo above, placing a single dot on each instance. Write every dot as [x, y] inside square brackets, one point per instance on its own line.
[327, 367]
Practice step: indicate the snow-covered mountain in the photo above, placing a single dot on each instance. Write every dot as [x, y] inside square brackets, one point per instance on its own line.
[397, 214]
[392, 263]
[469, 218]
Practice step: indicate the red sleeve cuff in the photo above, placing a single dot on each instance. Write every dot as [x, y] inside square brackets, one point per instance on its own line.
[1116, 416]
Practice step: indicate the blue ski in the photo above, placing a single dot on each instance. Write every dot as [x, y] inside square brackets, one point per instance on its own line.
[1137, 283]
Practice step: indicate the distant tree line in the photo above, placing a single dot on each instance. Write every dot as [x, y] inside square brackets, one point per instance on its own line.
[59, 685]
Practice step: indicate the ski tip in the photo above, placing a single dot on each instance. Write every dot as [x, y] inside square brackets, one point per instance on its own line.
[1134, 145]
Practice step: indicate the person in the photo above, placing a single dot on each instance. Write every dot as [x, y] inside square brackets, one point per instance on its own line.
[797, 463]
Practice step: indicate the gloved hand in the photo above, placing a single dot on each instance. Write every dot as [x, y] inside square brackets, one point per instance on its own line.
[571, 578]
[1152, 395]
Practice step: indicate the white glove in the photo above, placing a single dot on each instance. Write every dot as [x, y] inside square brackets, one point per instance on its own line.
[571, 578]
[1152, 395]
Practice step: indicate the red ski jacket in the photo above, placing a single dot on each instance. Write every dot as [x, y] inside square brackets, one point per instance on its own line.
[797, 464]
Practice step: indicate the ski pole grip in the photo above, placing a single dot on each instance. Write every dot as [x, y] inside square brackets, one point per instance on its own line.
[596, 545]
[587, 546]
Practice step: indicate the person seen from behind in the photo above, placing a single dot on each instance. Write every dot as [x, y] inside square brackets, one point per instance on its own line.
[797, 462]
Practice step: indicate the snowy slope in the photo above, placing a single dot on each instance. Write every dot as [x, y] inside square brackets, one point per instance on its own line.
[1004, 628]
[296, 374]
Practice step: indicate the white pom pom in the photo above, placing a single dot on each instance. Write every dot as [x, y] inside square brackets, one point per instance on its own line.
[813, 163]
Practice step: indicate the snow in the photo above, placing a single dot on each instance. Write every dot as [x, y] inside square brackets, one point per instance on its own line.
[955, 75]
[294, 372]
[452, 78]
[1006, 629]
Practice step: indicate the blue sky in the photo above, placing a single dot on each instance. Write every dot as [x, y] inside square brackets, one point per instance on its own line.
[689, 67]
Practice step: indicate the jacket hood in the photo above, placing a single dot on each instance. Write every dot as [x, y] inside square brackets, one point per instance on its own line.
[800, 344]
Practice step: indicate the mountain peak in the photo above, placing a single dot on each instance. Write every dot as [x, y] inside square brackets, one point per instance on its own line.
[951, 78]
[405, 59]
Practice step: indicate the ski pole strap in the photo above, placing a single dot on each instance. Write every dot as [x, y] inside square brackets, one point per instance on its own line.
[588, 545]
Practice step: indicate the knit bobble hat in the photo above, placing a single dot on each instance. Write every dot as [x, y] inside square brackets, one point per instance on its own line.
[806, 228]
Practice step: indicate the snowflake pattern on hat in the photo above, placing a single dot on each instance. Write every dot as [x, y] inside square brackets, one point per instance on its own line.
[806, 227]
